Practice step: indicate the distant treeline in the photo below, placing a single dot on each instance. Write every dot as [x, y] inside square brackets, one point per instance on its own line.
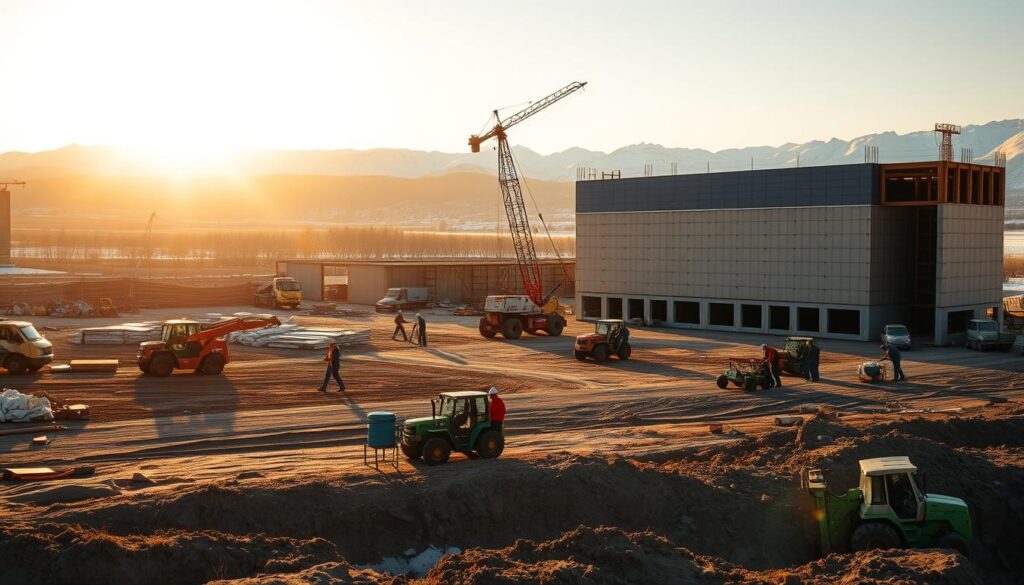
[254, 248]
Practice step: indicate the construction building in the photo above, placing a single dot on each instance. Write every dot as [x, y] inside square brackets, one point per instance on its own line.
[834, 251]
[458, 281]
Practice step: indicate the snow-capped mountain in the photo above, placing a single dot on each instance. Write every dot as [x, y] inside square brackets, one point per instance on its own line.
[984, 140]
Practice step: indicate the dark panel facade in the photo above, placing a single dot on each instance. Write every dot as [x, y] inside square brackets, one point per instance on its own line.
[856, 184]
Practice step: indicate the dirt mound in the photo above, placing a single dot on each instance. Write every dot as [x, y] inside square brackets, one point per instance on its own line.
[584, 555]
[56, 554]
[609, 555]
[976, 459]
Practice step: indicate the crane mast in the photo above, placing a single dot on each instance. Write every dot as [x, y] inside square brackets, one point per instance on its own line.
[512, 193]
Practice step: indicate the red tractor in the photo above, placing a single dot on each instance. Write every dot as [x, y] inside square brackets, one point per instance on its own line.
[186, 345]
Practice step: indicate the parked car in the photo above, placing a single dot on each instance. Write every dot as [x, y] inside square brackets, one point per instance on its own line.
[403, 297]
[983, 334]
[897, 335]
[22, 348]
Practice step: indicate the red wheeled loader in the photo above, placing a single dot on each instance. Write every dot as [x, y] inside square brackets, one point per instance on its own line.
[186, 345]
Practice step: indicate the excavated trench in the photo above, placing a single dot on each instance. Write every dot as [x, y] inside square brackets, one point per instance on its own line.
[739, 504]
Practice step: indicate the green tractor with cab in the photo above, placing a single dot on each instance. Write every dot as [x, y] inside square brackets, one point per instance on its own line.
[890, 509]
[458, 421]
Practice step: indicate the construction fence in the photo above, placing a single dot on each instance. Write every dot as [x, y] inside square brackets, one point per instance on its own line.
[130, 292]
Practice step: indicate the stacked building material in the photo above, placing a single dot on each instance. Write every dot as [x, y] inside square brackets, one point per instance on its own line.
[293, 336]
[125, 334]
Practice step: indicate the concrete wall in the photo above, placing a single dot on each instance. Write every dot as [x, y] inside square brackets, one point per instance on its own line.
[310, 277]
[366, 284]
[815, 255]
[969, 259]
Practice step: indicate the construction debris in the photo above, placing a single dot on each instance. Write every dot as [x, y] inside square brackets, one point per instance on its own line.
[24, 431]
[332, 310]
[44, 473]
[788, 421]
[126, 334]
[292, 336]
[75, 308]
[94, 365]
[18, 407]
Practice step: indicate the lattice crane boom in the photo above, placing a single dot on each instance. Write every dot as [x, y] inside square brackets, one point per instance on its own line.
[512, 193]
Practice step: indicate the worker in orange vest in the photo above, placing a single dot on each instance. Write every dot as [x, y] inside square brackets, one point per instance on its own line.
[333, 359]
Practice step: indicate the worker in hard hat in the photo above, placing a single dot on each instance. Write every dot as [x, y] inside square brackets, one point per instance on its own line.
[399, 327]
[496, 409]
[421, 325]
[771, 359]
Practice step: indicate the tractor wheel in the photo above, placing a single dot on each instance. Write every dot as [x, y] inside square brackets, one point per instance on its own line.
[436, 451]
[874, 535]
[580, 355]
[413, 452]
[16, 364]
[954, 541]
[625, 351]
[555, 326]
[722, 382]
[512, 329]
[490, 444]
[600, 352]
[485, 328]
[213, 364]
[161, 365]
[749, 384]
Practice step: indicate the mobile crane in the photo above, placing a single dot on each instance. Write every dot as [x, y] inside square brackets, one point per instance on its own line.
[512, 314]
[186, 345]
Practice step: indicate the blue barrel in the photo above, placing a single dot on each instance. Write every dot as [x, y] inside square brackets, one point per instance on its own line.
[381, 430]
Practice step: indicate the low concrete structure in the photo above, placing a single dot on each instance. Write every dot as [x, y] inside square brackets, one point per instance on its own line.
[833, 251]
[459, 281]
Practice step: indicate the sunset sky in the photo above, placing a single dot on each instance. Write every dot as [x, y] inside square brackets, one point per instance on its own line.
[200, 77]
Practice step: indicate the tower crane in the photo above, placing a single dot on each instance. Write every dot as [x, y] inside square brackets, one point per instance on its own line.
[512, 314]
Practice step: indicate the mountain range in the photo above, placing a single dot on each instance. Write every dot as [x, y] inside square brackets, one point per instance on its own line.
[984, 140]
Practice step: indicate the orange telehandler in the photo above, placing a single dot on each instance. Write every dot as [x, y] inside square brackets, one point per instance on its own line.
[186, 345]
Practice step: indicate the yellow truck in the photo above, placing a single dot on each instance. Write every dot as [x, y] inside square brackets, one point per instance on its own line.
[284, 292]
[22, 348]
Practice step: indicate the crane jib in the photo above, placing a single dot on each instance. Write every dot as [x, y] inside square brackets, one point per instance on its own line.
[511, 191]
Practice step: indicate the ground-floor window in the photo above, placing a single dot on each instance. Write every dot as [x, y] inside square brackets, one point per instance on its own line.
[721, 314]
[778, 317]
[687, 312]
[956, 321]
[659, 311]
[614, 308]
[808, 319]
[750, 316]
[591, 307]
[844, 321]
[636, 308]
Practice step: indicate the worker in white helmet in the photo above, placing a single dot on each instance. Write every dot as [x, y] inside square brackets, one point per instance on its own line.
[496, 409]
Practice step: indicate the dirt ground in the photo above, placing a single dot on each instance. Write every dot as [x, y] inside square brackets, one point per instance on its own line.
[610, 474]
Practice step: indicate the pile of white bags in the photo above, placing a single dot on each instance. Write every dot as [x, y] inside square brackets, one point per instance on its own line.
[18, 407]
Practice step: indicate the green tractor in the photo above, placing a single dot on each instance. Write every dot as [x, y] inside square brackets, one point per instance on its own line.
[458, 421]
[791, 355]
[890, 509]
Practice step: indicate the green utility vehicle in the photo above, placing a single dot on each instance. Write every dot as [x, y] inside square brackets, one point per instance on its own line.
[746, 373]
[890, 509]
[458, 421]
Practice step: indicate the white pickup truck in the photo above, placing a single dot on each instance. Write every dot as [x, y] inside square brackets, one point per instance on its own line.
[983, 334]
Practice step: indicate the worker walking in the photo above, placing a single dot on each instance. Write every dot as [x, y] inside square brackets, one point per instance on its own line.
[399, 327]
[421, 325]
[771, 357]
[812, 355]
[892, 353]
[333, 359]
[497, 410]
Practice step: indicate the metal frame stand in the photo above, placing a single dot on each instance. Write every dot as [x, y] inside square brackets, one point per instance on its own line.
[388, 455]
